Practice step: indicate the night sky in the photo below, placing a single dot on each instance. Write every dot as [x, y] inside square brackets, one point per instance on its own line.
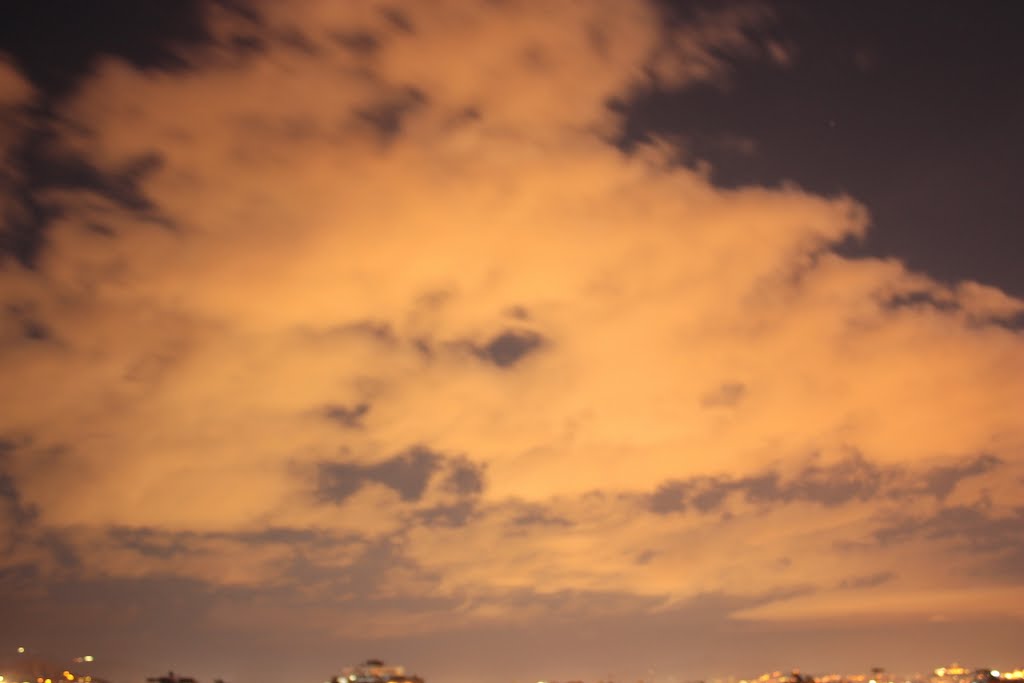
[511, 341]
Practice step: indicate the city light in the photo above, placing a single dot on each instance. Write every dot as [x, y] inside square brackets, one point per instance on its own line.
[87, 658]
[21, 650]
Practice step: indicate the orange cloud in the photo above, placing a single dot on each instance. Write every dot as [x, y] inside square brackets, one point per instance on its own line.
[420, 213]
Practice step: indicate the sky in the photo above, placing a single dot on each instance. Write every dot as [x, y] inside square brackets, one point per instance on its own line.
[511, 341]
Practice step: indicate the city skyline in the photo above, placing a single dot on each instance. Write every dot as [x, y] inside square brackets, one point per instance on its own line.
[29, 666]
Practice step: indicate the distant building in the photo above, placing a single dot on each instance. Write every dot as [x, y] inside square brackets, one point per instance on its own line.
[952, 674]
[170, 678]
[375, 671]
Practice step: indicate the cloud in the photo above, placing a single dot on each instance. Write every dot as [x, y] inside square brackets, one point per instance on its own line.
[349, 418]
[407, 473]
[379, 276]
[970, 528]
[941, 480]
[508, 348]
[15, 90]
[16, 95]
[868, 581]
[851, 478]
[465, 478]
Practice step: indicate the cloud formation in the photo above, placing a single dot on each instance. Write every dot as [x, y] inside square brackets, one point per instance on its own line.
[378, 285]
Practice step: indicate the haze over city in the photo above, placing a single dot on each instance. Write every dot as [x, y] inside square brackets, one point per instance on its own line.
[511, 341]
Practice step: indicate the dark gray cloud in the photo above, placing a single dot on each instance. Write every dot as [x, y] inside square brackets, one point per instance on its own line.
[940, 481]
[378, 331]
[711, 493]
[25, 318]
[518, 312]
[537, 515]
[304, 544]
[23, 232]
[124, 186]
[12, 506]
[245, 44]
[349, 417]
[150, 542]
[399, 20]
[20, 521]
[920, 299]
[63, 553]
[964, 527]
[407, 473]
[290, 535]
[465, 478]
[852, 478]
[669, 497]
[387, 115]
[455, 515]
[338, 481]
[995, 541]
[36, 331]
[510, 347]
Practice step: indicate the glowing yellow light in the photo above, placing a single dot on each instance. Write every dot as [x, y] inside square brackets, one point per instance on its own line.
[21, 649]
[87, 658]
[68, 675]
[48, 681]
